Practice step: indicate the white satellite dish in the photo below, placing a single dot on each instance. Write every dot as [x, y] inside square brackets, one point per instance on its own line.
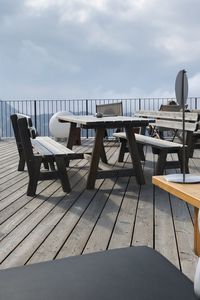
[181, 90]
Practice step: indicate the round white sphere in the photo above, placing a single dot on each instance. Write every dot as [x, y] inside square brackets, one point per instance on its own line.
[58, 129]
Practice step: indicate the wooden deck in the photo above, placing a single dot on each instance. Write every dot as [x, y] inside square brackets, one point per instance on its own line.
[118, 213]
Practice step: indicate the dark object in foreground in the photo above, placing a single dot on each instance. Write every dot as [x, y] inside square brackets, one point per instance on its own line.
[138, 273]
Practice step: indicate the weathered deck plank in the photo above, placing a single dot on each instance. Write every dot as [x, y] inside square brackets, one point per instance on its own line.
[117, 213]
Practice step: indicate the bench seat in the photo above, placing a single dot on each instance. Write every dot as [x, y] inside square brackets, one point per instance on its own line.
[148, 140]
[160, 147]
[47, 147]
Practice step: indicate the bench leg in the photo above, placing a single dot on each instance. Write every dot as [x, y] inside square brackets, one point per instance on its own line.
[134, 153]
[21, 164]
[160, 166]
[46, 165]
[180, 157]
[96, 153]
[34, 173]
[62, 173]
[123, 149]
[141, 151]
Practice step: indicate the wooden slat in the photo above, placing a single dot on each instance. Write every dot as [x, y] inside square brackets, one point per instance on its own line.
[53, 146]
[176, 125]
[40, 149]
[148, 140]
[189, 116]
[105, 122]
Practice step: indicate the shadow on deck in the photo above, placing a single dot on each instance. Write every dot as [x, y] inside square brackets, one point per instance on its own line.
[117, 213]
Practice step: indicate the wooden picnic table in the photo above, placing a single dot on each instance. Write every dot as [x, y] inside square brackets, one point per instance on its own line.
[189, 193]
[100, 125]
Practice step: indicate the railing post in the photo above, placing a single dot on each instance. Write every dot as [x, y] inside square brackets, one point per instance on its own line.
[195, 103]
[86, 104]
[35, 113]
[1, 120]
[139, 104]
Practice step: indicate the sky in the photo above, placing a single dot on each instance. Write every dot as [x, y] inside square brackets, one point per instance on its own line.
[76, 49]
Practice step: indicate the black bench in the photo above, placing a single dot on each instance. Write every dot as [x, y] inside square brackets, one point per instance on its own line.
[135, 273]
[37, 150]
[167, 120]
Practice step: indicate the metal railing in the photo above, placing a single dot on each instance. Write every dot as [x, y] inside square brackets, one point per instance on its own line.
[42, 110]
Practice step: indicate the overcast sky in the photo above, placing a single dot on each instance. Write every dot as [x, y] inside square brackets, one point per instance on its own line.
[64, 49]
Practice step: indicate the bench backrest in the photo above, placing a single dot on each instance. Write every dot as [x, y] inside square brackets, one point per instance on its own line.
[24, 131]
[112, 109]
[170, 107]
[172, 120]
[14, 118]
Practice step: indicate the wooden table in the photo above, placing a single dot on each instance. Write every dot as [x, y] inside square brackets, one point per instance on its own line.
[189, 193]
[100, 124]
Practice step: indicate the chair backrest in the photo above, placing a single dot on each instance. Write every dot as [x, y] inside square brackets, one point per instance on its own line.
[170, 107]
[197, 273]
[173, 120]
[110, 109]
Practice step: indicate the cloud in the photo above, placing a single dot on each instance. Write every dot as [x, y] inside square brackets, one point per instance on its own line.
[75, 48]
[194, 85]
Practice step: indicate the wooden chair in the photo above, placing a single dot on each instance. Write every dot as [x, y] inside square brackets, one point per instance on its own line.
[110, 109]
[134, 273]
[42, 150]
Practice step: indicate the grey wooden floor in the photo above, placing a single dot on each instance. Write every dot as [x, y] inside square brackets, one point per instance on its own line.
[117, 213]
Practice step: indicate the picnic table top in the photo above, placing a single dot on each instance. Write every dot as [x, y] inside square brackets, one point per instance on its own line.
[113, 121]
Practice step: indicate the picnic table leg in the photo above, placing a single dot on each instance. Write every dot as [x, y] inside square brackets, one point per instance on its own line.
[123, 149]
[70, 140]
[70, 143]
[96, 153]
[133, 149]
[196, 233]
[60, 162]
[103, 154]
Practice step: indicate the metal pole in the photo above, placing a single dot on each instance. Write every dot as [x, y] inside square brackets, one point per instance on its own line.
[86, 115]
[183, 108]
[35, 113]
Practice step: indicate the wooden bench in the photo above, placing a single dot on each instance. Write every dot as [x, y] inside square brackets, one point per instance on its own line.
[37, 150]
[170, 120]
